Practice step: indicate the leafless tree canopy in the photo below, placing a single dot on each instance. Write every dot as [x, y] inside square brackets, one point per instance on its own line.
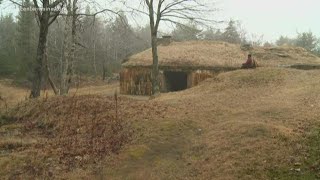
[173, 11]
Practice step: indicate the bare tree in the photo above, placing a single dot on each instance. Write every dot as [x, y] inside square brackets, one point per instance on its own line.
[71, 42]
[46, 12]
[173, 11]
[46, 16]
[69, 47]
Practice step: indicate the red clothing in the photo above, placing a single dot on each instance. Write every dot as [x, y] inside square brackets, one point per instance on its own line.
[249, 61]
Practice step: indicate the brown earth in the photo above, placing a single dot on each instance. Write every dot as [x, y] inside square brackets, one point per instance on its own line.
[245, 124]
[206, 54]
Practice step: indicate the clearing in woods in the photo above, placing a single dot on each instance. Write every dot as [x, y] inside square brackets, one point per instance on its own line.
[245, 124]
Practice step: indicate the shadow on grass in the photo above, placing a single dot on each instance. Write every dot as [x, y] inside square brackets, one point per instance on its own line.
[305, 66]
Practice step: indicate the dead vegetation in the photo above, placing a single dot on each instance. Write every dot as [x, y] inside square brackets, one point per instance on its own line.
[70, 132]
[74, 129]
[245, 124]
[255, 122]
[206, 54]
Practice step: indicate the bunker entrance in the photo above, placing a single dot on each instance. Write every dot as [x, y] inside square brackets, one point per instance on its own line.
[176, 81]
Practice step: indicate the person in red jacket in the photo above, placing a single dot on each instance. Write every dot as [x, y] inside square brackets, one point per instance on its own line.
[250, 63]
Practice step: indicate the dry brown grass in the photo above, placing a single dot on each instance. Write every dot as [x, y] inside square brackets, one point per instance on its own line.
[220, 54]
[11, 95]
[254, 121]
[244, 124]
[70, 132]
[193, 53]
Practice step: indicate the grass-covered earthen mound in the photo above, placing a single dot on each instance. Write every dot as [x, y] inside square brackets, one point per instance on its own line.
[77, 127]
[246, 124]
[75, 131]
[256, 123]
[210, 54]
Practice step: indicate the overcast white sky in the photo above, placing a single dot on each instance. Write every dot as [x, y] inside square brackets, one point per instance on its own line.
[274, 17]
[270, 18]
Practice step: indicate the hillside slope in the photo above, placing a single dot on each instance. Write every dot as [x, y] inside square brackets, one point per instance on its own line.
[221, 54]
[245, 124]
[240, 125]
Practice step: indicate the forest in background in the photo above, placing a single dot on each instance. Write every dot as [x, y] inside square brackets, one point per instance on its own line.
[243, 124]
[101, 45]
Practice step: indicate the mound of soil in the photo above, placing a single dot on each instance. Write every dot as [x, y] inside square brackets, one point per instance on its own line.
[220, 54]
[78, 130]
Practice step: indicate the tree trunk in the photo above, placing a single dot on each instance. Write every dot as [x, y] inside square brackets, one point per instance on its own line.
[94, 58]
[69, 49]
[155, 65]
[38, 69]
[47, 70]
[154, 24]
[70, 70]
[104, 68]
[104, 71]
[65, 57]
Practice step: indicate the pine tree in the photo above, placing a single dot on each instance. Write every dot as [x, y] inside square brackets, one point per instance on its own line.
[7, 45]
[308, 41]
[123, 37]
[212, 35]
[284, 40]
[231, 35]
[26, 38]
[186, 32]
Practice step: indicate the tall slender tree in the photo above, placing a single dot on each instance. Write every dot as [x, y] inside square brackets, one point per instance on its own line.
[284, 40]
[186, 32]
[172, 11]
[46, 16]
[307, 40]
[8, 58]
[231, 34]
[26, 40]
[69, 46]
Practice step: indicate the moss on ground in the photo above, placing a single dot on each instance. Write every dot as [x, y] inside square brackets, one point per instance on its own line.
[4, 119]
[309, 169]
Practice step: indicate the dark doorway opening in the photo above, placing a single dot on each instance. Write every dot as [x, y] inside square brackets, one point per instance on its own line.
[176, 81]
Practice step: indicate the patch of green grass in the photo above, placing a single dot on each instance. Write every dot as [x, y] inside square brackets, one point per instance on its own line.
[25, 166]
[275, 113]
[313, 160]
[138, 151]
[4, 119]
[258, 77]
[259, 131]
[282, 173]
[309, 169]
[161, 152]
[10, 145]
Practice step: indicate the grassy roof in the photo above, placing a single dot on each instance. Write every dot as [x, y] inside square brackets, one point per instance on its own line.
[219, 54]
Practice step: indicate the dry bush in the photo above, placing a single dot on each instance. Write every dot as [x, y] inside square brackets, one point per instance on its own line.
[78, 129]
[3, 104]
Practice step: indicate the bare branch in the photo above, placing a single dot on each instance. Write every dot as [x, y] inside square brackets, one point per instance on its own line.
[171, 11]
[55, 3]
[54, 18]
[16, 3]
